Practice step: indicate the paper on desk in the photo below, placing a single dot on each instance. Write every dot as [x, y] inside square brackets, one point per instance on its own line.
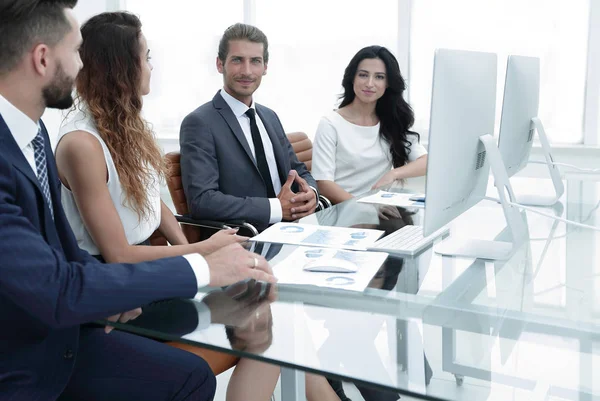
[392, 198]
[291, 269]
[312, 235]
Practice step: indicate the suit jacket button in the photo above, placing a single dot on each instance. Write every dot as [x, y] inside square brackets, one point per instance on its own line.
[68, 354]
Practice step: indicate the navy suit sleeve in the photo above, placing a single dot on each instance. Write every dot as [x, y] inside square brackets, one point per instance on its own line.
[61, 293]
[200, 178]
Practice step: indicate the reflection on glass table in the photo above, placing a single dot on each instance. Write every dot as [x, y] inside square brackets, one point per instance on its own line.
[431, 327]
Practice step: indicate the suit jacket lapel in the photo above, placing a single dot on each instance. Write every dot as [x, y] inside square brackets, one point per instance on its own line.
[14, 155]
[276, 142]
[234, 125]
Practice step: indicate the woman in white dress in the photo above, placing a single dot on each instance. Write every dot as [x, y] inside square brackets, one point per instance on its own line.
[367, 142]
[110, 166]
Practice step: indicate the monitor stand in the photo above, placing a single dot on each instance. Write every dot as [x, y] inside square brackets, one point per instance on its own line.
[516, 225]
[559, 188]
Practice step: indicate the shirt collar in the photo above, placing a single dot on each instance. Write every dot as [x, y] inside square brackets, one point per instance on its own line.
[238, 108]
[22, 128]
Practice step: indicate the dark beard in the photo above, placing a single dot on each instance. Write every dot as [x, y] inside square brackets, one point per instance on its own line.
[58, 94]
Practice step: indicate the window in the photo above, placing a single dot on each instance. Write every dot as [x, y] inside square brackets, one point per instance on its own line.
[556, 31]
[311, 43]
[183, 39]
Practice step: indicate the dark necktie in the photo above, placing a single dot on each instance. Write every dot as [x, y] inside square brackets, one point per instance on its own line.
[39, 152]
[259, 152]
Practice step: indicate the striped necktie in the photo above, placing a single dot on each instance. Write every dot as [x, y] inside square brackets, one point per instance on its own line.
[41, 167]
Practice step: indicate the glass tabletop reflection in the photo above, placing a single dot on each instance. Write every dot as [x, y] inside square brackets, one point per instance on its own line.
[429, 326]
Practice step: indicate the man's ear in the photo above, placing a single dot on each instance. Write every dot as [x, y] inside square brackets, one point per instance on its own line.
[265, 71]
[40, 59]
[219, 65]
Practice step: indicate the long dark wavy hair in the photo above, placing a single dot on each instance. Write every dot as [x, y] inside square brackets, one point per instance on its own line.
[395, 115]
[109, 85]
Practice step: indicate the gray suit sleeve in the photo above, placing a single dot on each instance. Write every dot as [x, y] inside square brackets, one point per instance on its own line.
[200, 178]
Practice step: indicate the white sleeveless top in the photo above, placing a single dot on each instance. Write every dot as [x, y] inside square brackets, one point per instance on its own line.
[136, 230]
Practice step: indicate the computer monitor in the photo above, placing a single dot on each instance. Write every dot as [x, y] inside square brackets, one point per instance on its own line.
[520, 121]
[463, 105]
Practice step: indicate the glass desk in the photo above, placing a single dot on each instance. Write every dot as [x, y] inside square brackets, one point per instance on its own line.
[431, 327]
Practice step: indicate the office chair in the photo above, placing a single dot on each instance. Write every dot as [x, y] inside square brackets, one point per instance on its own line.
[303, 148]
[219, 362]
[192, 227]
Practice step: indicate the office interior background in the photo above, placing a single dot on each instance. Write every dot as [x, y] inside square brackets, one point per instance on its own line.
[312, 41]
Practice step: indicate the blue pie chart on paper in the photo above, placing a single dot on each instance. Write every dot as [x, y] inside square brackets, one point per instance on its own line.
[291, 229]
[313, 253]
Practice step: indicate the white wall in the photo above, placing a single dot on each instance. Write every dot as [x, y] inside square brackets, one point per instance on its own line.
[83, 11]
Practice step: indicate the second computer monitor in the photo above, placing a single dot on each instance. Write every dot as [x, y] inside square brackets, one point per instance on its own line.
[520, 122]
[463, 108]
[520, 106]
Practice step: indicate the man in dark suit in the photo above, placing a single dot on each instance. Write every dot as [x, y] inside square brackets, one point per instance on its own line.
[49, 288]
[236, 161]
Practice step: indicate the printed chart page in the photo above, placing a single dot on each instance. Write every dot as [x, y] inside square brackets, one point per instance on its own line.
[291, 269]
[393, 199]
[322, 236]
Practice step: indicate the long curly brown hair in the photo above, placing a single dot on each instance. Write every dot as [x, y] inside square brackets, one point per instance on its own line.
[108, 86]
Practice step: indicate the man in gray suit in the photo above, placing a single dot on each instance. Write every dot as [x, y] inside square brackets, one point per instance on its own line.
[236, 161]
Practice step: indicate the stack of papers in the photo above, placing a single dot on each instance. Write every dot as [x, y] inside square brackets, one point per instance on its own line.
[311, 235]
[393, 199]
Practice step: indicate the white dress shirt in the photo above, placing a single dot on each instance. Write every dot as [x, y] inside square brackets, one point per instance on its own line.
[24, 130]
[239, 110]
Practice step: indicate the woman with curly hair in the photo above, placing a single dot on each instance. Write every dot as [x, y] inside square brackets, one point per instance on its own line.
[109, 162]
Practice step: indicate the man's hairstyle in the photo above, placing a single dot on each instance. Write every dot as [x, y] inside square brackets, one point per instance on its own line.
[24, 23]
[243, 32]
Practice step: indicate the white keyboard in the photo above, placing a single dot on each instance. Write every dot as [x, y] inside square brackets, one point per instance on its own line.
[408, 240]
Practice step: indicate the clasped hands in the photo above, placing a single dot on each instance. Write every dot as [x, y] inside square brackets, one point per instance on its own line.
[297, 205]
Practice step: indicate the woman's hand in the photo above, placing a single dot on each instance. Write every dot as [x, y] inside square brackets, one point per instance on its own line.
[220, 239]
[389, 178]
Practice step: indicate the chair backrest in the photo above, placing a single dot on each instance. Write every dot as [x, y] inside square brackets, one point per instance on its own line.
[302, 147]
[175, 186]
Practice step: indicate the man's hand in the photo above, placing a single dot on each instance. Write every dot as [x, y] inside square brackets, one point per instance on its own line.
[237, 305]
[220, 239]
[305, 202]
[122, 318]
[285, 196]
[296, 205]
[233, 263]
